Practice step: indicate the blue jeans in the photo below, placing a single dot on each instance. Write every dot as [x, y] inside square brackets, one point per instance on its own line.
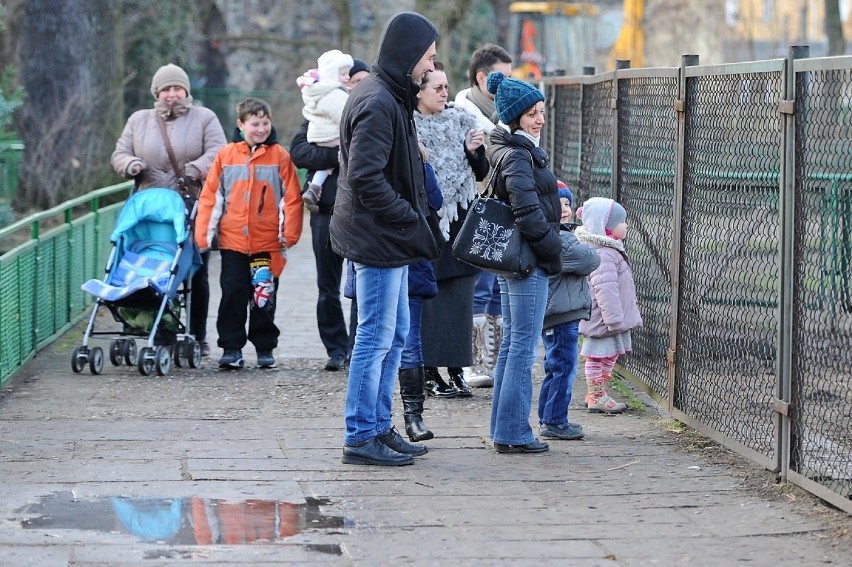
[560, 370]
[412, 354]
[524, 302]
[486, 295]
[382, 295]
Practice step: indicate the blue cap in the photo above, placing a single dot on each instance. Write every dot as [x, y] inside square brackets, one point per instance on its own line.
[511, 96]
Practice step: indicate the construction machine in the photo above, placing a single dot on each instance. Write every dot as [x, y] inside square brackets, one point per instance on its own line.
[554, 38]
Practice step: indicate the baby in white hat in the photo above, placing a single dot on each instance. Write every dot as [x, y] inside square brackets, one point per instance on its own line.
[324, 94]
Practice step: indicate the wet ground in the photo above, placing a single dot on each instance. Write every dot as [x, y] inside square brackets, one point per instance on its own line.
[207, 467]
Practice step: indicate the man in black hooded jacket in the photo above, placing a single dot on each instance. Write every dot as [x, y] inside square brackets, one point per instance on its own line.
[380, 224]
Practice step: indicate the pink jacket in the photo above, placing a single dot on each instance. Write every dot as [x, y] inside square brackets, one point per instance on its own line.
[614, 306]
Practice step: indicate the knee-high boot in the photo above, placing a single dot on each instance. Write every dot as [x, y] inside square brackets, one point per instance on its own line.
[413, 394]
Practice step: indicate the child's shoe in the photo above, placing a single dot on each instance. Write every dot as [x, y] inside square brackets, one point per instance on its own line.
[311, 197]
[265, 359]
[232, 359]
[601, 402]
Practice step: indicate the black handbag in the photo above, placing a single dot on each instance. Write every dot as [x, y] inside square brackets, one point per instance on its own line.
[489, 238]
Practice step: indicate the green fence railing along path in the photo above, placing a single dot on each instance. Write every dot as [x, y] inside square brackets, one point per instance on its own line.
[41, 273]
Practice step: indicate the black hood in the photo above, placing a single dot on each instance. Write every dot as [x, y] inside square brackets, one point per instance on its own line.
[272, 139]
[406, 38]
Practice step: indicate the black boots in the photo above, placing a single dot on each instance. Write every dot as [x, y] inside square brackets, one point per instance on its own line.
[435, 385]
[411, 390]
[457, 380]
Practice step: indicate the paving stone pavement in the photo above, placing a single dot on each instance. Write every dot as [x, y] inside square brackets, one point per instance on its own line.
[208, 467]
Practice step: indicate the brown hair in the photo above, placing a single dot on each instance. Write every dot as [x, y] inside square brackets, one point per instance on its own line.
[253, 107]
[484, 59]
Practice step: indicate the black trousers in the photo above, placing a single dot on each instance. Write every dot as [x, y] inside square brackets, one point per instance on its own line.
[200, 307]
[330, 321]
[236, 306]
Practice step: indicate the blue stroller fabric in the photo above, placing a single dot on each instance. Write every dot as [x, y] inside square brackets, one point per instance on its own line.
[150, 231]
[149, 519]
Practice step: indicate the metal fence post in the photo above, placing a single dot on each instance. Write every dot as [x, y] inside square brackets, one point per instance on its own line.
[786, 315]
[616, 124]
[677, 221]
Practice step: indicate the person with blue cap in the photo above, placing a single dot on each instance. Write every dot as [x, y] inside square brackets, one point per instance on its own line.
[569, 302]
[524, 180]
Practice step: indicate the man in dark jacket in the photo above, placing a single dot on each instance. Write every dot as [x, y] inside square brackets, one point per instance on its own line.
[380, 224]
[330, 321]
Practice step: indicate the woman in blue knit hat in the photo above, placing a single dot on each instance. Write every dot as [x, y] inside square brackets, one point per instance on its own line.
[525, 182]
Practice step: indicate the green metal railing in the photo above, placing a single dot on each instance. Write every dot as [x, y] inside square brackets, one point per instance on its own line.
[11, 154]
[45, 259]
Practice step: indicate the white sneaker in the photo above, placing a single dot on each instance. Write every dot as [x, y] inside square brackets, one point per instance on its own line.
[476, 379]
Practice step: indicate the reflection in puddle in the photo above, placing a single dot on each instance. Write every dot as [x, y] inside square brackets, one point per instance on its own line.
[184, 521]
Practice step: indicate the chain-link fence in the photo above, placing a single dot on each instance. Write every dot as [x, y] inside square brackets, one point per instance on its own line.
[737, 183]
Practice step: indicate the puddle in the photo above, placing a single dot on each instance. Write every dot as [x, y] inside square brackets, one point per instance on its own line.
[184, 521]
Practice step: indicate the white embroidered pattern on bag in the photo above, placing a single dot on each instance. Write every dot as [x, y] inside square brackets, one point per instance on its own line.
[490, 240]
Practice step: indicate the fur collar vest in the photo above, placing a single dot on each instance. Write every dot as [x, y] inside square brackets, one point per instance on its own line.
[443, 135]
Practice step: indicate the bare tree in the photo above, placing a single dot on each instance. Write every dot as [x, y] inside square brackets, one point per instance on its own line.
[69, 65]
[834, 28]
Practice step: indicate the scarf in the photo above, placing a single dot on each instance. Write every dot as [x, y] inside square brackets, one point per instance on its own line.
[443, 135]
[179, 108]
[485, 104]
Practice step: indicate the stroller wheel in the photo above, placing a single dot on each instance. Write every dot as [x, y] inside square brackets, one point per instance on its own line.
[146, 361]
[177, 352]
[96, 360]
[163, 360]
[79, 358]
[128, 351]
[193, 354]
[115, 352]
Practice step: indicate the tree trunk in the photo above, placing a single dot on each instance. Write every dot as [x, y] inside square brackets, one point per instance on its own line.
[70, 61]
[834, 28]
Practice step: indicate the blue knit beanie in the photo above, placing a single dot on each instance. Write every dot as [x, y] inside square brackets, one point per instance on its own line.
[511, 96]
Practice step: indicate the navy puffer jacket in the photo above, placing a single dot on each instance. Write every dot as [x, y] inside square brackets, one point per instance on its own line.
[530, 188]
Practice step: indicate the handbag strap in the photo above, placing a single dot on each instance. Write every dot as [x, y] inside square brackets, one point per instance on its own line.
[490, 183]
[169, 150]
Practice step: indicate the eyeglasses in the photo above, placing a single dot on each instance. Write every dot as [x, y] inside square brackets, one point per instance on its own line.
[438, 88]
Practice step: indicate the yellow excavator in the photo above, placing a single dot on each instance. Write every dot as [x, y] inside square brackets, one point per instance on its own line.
[549, 38]
[630, 44]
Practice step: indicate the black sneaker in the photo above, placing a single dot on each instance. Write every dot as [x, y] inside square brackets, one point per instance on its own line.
[265, 359]
[374, 452]
[232, 359]
[533, 447]
[335, 363]
[205, 348]
[566, 431]
[393, 440]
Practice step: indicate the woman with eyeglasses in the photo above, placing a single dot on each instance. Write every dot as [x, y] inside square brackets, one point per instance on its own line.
[457, 154]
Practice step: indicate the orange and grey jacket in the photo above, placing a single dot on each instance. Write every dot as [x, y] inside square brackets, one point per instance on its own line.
[252, 200]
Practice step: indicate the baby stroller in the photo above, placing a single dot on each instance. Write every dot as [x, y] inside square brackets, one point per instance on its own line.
[146, 287]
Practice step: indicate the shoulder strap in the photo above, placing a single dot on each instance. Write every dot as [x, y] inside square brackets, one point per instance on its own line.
[489, 184]
[169, 150]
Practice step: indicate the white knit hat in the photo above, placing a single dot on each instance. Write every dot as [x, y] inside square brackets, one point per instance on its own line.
[330, 62]
[601, 215]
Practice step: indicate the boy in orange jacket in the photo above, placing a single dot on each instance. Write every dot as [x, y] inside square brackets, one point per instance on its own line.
[252, 200]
